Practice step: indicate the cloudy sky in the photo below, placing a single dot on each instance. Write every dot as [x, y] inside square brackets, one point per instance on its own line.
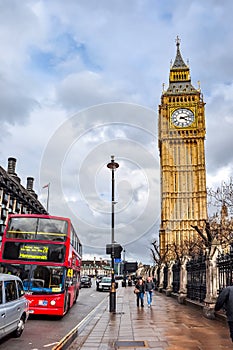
[82, 80]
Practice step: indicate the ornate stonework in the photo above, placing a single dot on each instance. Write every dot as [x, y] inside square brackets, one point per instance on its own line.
[182, 157]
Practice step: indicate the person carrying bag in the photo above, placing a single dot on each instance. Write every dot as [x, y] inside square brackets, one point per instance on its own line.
[140, 291]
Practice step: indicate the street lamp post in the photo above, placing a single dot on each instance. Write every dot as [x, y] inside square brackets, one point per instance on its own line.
[112, 296]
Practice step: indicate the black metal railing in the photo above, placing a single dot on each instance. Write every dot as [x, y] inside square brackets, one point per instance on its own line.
[158, 278]
[196, 278]
[165, 276]
[176, 277]
[225, 265]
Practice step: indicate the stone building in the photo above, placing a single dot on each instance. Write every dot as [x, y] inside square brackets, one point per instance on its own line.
[96, 267]
[14, 197]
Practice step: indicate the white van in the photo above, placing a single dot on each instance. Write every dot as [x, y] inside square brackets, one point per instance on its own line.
[14, 307]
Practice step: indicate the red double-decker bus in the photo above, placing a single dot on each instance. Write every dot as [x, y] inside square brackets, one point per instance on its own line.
[45, 252]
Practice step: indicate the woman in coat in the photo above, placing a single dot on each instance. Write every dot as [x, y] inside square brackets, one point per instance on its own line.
[140, 291]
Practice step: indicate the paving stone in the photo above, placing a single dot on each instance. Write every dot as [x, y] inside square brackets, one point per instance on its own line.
[167, 325]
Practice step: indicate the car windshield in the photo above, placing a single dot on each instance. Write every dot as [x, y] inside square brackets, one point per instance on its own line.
[85, 279]
[106, 280]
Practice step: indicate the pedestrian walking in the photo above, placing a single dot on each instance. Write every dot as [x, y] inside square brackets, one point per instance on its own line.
[140, 291]
[225, 300]
[149, 287]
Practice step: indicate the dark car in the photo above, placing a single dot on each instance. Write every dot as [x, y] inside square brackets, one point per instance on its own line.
[86, 282]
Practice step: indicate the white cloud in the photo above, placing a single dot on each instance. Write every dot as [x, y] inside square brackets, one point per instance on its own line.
[60, 58]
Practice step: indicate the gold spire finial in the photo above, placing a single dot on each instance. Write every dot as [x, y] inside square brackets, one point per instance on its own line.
[199, 85]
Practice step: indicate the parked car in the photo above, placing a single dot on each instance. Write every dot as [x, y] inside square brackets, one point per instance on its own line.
[86, 281]
[14, 307]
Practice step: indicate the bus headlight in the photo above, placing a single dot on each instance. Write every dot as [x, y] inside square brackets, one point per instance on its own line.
[52, 302]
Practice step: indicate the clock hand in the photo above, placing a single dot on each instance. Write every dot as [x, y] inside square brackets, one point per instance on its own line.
[184, 117]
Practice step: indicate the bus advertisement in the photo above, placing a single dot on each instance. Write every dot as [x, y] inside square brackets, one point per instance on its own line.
[45, 252]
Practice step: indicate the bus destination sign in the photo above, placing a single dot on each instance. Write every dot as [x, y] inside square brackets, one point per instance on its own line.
[30, 251]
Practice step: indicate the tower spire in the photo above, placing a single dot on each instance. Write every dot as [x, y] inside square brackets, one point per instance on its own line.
[179, 78]
[179, 62]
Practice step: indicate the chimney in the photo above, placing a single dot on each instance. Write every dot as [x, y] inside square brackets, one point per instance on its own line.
[30, 181]
[11, 169]
[11, 166]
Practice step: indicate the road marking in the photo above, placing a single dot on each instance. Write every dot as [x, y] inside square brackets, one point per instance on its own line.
[48, 345]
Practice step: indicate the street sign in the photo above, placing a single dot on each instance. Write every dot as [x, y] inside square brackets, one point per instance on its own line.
[117, 261]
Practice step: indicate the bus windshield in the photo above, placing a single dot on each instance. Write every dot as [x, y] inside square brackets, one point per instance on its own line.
[37, 229]
[39, 279]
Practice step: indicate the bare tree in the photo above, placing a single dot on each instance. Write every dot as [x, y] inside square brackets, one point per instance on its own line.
[223, 195]
[217, 230]
[155, 251]
[187, 248]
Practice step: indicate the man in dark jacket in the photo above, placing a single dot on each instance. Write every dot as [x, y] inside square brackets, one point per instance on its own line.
[149, 287]
[225, 300]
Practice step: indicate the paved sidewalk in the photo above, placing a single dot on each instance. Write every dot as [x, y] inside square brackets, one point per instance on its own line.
[167, 325]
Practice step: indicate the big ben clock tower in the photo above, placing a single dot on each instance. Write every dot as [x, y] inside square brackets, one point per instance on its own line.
[182, 157]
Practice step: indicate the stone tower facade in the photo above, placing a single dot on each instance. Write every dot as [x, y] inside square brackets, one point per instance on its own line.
[182, 158]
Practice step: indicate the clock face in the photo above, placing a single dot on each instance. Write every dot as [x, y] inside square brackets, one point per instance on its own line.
[182, 117]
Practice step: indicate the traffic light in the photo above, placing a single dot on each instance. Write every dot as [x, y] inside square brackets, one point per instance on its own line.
[114, 250]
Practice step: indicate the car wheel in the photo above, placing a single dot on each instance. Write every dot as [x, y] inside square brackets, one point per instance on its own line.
[17, 333]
